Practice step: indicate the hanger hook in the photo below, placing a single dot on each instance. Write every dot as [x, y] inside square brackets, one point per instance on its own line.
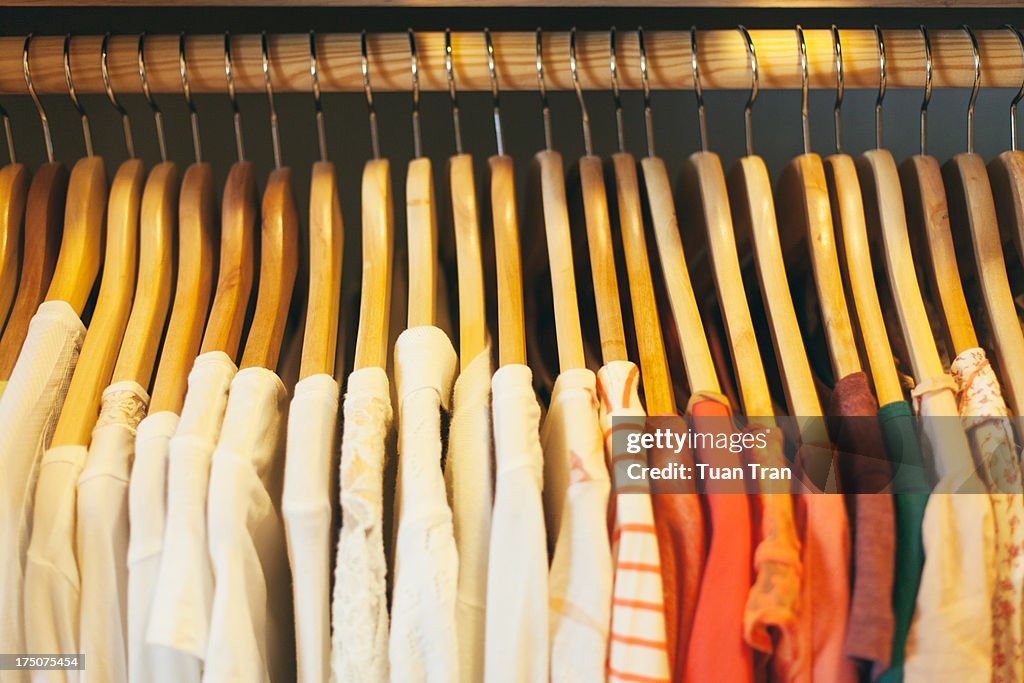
[449, 67]
[8, 133]
[236, 115]
[698, 91]
[493, 70]
[275, 132]
[27, 70]
[158, 117]
[364, 61]
[314, 76]
[414, 67]
[926, 100]
[86, 130]
[748, 125]
[645, 83]
[186, 89]
[545, 109]
[880, 40]
[805, 123]
[975, 87]
[126, 124]
[1020, 92]
[614, 68]
[837, 108]
[587, 146]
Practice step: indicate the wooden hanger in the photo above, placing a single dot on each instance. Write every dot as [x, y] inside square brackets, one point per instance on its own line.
[237, 258]
[196, 239]
[466, 221]
[378, 245]
[157, 222]
[1006, 174]
[505, 224]
[972, 205]
[706, 204]
[279, 246]
[14, 181]
[847, 208]
[326, 240]
[700, 369]
[548, 194]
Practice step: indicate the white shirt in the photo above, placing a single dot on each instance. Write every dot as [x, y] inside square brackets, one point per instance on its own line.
[251, 636]
[422, 645]
[103, 533]
[581, 567]
[637, 646]
[517, 574]
[307, 505]
[29, 408]
[469, 476]
[359, 610]
[147, 494]
[182, 597]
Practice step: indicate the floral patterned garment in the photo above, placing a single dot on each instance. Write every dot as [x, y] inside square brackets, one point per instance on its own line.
[984, 414]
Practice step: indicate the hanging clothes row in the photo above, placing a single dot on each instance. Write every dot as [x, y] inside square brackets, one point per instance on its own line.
[193, 489]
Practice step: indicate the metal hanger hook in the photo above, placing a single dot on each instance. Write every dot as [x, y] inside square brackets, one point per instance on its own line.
[805, 123]
[614, 68]
[449, 67]
[975, 87]
[587, 146]
[492, 68]
[837, 108]
[275, 131]
[186, 89]
[27, 70]
[236, 115]
[926, 100]
[880, 40]
[364, 63]
[126, 124]
[545, 109]
[314, 77]
[86, 130]
[646, 84]
[1020, 92]
[698, 91]
[414, 68]
[755, 79]
[158, 117]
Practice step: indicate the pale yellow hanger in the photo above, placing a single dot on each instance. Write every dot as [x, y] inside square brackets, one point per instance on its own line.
[657, 381]
[14, 181]
[196, 262]
[44, 214]
[548, 193]
[848, 218]
[972, 206]
[1006, 173]
[705, 205]
[753, 210]
[505, 223]
[700, 368]
[326, 240]
[466, 221]
[420, 217]
[279, 246]
[113, 303]
[884, 211]
[378, 244]
[157, 226]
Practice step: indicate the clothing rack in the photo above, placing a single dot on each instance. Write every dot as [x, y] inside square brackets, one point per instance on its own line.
[723, 60]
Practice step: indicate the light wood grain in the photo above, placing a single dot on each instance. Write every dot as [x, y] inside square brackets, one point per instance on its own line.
[157, 232]
[466, 217]
[602, 260]
[928, 219]
[723, 57]
[113, 304]
[237, 261]
[326, 241]
[1006, 173]
[654, 370]
[804, 193]
[14, 180]
[753, 212]
[279, 262]
[549, 194]
[378, 248]
[705, 203]
[700, 369]
[196, 263]
[884, 210]
[508, 261]
[848, 219]
[421, 238]
[972, 210]
[44, 217]
[84, 210]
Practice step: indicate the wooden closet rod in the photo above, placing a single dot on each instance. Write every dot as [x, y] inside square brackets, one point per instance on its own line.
[723, 58]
